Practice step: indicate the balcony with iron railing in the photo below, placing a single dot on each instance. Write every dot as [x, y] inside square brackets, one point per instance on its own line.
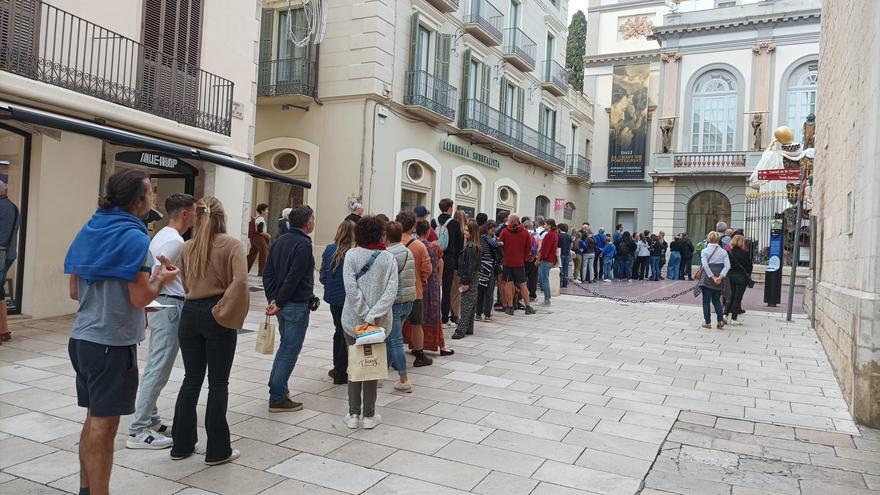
[577, 167]
[554, 78]
[737, 163]
[445, 5]
[496, 131]
[44, 43]
[429, 96]
[519, 49]
[483, 21]
[291, 79]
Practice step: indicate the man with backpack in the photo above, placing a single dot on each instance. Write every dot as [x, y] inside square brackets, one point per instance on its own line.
[451, 241]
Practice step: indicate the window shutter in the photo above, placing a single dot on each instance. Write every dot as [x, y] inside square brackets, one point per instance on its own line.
[542, 120]
[466, 74]
[19, 23]
[520, 104]
[502, 98]
[552, 125]
[441, 57]
[484, 83]
[413, 40]
[266, 34]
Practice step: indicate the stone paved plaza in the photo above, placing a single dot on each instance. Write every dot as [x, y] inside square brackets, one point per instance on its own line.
[587, 396]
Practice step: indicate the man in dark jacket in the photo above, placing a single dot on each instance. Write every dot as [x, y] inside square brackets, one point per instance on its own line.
[289, 282]
[687, 254]
[450, 254]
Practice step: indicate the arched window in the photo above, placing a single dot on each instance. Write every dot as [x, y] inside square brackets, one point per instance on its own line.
[801, 100]
[713, 123]
[705, 210]
[568, 212]
[542, 206]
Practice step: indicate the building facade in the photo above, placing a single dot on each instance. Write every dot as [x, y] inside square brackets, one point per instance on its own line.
[88, 88]
[847, 203]
[723, 75]
[405, 103]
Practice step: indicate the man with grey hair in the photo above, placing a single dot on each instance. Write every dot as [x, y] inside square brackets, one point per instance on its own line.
[9, 223]
[720, 227]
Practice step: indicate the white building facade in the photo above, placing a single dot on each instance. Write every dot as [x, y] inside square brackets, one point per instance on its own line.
[88, 88]
[723, 76]
[405, 103]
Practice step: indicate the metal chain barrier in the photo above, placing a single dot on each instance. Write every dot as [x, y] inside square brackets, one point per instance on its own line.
[633, 301]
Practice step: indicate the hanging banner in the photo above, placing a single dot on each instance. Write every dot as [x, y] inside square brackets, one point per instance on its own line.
[628, 127]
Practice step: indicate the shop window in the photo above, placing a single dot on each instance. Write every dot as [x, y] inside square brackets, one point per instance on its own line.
[409, 199]
[14, 172]
[542, 206]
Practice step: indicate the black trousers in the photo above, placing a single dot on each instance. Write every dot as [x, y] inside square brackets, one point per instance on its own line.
[532, 279]
[203, 344]
[485, 297]
[446, 290]
[598, 269]
[640, 271]
[340, 348]
[684, 270]
[738, 285]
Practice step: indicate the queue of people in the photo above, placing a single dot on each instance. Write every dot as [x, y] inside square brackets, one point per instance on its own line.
[408, 277]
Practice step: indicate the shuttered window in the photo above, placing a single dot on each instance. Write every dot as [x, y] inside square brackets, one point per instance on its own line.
[441, 56]
[19, 22]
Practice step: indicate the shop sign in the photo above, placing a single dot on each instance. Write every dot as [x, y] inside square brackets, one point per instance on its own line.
[786, 174]
[469, 154]
[157, 160]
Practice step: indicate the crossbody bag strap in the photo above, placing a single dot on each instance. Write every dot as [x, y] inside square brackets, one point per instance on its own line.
[367, 266]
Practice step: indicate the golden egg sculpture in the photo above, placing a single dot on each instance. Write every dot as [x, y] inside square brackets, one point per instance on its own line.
[784, 135]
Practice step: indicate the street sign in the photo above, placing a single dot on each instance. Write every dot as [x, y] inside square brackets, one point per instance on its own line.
[786, 174]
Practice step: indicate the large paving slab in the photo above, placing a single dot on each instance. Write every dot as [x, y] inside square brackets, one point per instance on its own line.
[587, 396]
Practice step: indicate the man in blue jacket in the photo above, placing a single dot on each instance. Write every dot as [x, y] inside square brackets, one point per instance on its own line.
[289, 281]
[598, 264]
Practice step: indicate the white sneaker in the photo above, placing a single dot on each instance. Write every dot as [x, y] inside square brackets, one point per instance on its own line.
[148, 439]
[403, 386]
[607, 280]
[372, 422]
[352, 421]
[233, 456]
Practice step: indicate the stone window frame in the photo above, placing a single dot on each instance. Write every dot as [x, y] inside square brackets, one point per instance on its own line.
[785, 84]
[687, 115]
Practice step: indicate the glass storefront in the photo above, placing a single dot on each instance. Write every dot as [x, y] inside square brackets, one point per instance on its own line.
[14, 171]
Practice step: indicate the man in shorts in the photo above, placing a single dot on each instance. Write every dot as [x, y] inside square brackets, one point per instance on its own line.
[517, 245]
[113, 278]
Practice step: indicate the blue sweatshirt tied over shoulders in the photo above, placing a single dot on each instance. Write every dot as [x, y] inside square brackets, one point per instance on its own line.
[112, 245]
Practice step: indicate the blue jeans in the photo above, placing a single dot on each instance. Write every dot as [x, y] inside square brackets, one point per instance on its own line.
[563, 275]
[607, 268]
[544, 277]
[655, 268]
[712, 296]
[627, 266]
[587, 274]
[293, 321]
[164, 346]
[394, 343]
[672, 266]
[618, 266]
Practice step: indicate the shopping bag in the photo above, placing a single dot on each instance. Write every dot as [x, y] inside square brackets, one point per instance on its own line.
[367, 362]
[266, 338]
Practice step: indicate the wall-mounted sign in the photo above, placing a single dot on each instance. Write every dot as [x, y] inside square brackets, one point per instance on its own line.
[237, 110]
[157, 160]
[469, 154]
[786, 174]
[628, 127]
[559, 204]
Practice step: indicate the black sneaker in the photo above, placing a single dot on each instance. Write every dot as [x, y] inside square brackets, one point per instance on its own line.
[530, 310]
[421, 360]
[285, 405]
[457, 335]
[508, 311]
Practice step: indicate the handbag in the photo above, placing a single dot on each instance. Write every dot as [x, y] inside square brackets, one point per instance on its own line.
[699, 274]
[265, 343]
[367, 362]
[749, 281]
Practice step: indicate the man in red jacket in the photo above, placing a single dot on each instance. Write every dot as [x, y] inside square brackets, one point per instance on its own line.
[517, 245]
[548, 258]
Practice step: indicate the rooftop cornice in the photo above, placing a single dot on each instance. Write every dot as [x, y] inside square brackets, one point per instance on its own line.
[667, 30]
[606, 58]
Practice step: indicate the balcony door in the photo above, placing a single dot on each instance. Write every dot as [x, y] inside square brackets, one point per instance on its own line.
[171, 51]
[292, 60]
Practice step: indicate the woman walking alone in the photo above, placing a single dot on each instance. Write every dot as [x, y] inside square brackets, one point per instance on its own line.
[334, 295]
[739, 275]
[715, 264]
[214, 270]
[468, 273]
[370, 276]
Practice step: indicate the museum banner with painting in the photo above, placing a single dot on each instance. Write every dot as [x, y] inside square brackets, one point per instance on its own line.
[628, 127]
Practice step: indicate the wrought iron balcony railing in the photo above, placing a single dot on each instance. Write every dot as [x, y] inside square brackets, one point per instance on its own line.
[291, 76]
[487, 18]
[517, 42]
[555, 77]
[578, 166]
[486, 120]
[709, 160]
[47, 44]
[432, 93]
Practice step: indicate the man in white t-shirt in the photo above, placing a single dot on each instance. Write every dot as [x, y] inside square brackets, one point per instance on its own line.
[146, 430]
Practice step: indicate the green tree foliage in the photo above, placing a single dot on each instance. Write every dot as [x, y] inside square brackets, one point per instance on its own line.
[574, 52]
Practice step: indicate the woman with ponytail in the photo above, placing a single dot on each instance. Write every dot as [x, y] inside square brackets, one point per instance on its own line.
[214, 270]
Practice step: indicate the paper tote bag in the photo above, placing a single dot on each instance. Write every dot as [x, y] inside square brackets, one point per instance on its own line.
[367, 362]
[266, 338]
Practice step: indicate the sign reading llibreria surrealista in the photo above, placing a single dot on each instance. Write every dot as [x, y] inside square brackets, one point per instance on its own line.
[628, 126]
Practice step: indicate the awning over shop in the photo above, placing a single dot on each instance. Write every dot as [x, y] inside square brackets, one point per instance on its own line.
[47, 119]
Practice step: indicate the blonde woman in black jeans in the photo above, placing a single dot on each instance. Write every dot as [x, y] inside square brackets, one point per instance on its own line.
[214, 270]
[739, 274]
